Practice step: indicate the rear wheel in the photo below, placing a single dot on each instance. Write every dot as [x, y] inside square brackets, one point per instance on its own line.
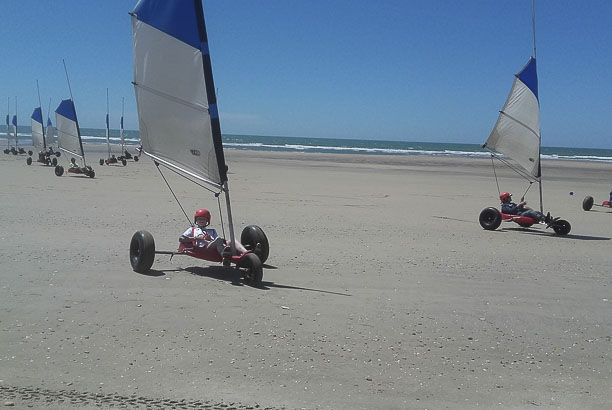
[135, 159]
[253, 235]
[30, 152]
[490, 219]
[142, 251]
[101, 161]
[562, 227]
[59, 170]
[123, 161]
[587, 204]
[54, 161]
[58, 153]
[29, 161]
[251, 268]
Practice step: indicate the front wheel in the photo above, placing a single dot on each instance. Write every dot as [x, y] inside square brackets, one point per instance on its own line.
[101, 161]
[587, 204]
[562, 227]
[54, 161]
[136, 159]
[29, 161]
[59, 170]
[490, 218]
[251, 268]
[253, 235]
[123, 161]
[142, 251]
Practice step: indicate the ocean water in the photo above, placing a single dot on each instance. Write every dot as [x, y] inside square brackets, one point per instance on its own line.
[336, 146]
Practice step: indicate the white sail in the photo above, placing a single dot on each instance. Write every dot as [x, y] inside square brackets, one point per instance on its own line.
[517, 131]
[8, 132]
[38, 132]
[15, 136]
[50, 133]
[121, 132]
[177, 111]
[107, 127]
[68, 133]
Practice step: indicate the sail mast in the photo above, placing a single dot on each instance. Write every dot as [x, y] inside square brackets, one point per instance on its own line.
[121, 124]
[107, 127]
[540, 130]
[8, 113]
[76, 121]
[41, 118]
[214, 115]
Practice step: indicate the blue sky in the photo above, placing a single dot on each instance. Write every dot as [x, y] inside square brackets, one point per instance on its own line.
[391, 69]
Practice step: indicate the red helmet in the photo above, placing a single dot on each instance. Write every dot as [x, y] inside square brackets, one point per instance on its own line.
[504, 196]
[200, 213]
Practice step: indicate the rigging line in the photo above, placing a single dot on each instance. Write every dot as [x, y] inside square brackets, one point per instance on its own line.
[528, 187]
[220, 215]
[166, 181]
[191, 180]
[495, 173]
[522, 173]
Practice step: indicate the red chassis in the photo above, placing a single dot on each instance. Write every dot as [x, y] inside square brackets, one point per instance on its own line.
[491, 218]
[249, 263]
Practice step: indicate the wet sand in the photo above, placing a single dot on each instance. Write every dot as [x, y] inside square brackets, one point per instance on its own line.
[382, 291]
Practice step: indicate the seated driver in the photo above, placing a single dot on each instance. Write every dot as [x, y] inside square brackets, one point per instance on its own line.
[509, 207]
[203, 237]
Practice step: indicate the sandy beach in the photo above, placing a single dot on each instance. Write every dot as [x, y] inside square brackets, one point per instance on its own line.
[381, 291]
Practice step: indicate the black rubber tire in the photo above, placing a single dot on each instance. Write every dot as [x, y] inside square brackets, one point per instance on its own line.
[29, 161]
[30, 152]
[123, 161]
[252, 270]
[101, 161]
[15, 152]
[59, 170]
[57, 154]
[90, 172]
[524, 225]
[587, 204]
[135, 159]
[251, 236]
[562, 227]
[54, 161]
[6, 151]
[490, 218]
[142, 251]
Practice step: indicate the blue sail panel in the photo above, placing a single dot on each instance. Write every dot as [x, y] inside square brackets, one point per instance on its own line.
[107, 126]
[529, 76]
[15, 120]
[66, 110]
[176, 18]
[37, 115]
[174, 88]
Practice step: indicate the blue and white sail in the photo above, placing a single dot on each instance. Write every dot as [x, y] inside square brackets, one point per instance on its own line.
[15, 136]
[175, 93]
[38, 130]
[121, 131]
[68, 132]
[8, 124]
[107, 127]
[50, 133]
[517, 131]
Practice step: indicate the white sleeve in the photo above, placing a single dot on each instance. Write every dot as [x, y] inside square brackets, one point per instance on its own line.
[188, 232]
